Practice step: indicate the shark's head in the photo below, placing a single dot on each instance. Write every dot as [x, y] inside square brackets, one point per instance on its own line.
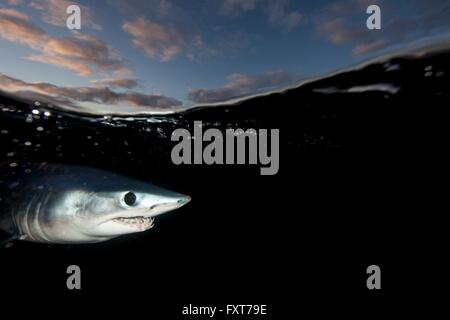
[112, 213]
[81, 205]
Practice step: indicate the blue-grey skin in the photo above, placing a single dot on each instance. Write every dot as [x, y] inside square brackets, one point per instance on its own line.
[70, 204]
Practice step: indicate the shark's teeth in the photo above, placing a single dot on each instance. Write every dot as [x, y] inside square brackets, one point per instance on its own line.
[140, 222]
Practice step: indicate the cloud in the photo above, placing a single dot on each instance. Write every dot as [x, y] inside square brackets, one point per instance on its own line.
[42, 98]
[54, 13]
[341, 23]
[235, 6]
[72, 96]
[150, 100]
[78, 67]
[164, 7]
[364, 48]
[14, 2]
[279, 16]
[338, 31]
[164, 42]
[149, 8]
[83, 54]
[117, 83]
[15, 27]
[277, 11]
[240, 85]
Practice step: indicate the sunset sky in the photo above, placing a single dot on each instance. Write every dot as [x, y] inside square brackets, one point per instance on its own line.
[163, 55]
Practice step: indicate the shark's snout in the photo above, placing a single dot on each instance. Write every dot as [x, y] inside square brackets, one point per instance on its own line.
[169, 205]
[184, 200]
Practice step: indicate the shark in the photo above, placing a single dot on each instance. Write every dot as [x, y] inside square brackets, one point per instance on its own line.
[65, 204]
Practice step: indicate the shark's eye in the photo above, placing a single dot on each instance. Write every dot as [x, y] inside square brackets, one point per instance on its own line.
[130, 199]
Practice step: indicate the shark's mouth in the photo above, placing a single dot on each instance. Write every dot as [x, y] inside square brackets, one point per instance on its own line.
[140, 222]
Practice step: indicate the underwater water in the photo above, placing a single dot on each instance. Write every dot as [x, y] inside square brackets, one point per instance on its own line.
[358, 152]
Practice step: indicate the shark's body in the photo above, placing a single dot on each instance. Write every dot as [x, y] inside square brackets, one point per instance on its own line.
[70, 204]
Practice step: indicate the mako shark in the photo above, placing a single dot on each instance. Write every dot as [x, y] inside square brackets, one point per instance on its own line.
[70, 205]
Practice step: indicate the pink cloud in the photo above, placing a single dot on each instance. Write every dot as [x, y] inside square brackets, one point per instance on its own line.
[14, 2]
[79, 68]
[15, 27]
[162, 41]
[364, 48]
[72, 96]
[83, 54]
[117, 83]
[240, 85]
[337, 31]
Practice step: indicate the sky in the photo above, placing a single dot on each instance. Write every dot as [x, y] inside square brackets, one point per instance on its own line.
[156, 56]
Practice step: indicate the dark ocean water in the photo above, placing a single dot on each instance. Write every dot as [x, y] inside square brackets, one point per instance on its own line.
[360, 164]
